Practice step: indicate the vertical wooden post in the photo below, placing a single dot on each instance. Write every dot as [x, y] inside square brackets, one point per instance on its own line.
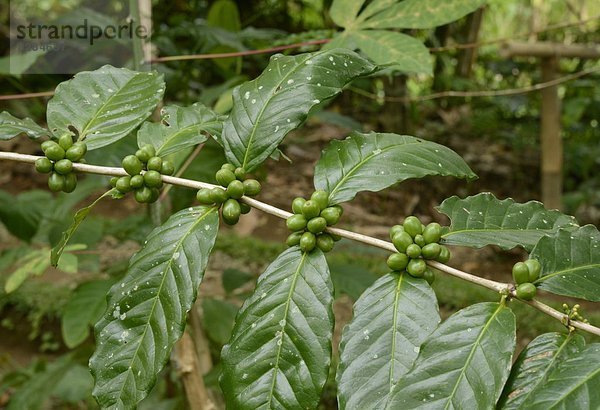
[551, 139]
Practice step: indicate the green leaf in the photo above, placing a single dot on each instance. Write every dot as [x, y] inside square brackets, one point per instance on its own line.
[463, 364]
[11, 127]
[233, 279]
[147, 309]
[104, 105]
[391, 320]
[535, 363]
[389, 48]
[344, 12]
[372, 162]
[32, 264]
[575, 384]
[17, 64]
[23, 214]
[351, 279]
[84, 309]
[483, 219]
[280, 349]
[224, 14]
[422, 13]
[79, 217]
[180, 128]
[570, 263]
[218, 317]
[279, 100]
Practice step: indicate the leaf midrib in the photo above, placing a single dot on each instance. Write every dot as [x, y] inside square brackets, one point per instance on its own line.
[202, 127]
[157, 297]
[394, 323]
[285, 316]
[575, 387]
[568, 271]
[471, 353]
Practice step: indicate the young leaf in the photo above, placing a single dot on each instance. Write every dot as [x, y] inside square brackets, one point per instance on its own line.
[539, 359]
[279, 100]
[464, 363]
[79, 217]
[421, 13]
[483, 219]
[570, 263]
[391, 320]
[147, 309]
[84, 309]
[180, 128]
[372, 162]
[575, 384]
[104, 105]
[11, 127]
[280, 349]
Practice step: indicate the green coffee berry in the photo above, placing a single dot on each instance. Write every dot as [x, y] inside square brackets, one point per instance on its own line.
[124, 184]
[152, 179]
[416, 267]
[296, 222]
[70, 183]
[154, 164]
[419, 240]
[520, 273]
[395, 230]
[397, 261]
[155, 194]
[143, 195]
[218, 195]
[63, 167]
[167, 168]
[413, 251]
[142, 155]
[445, 255]
[76, 152]
[55, 152]
[251, 187]
[132, 165]
[325, 242]
[65, 141]
[413, 226]
[316, 225]
[297, 204]
[245, 208]
[113, 181]
[43, 165]
[535, 269]
[432, 232]
[136, 181]
[429, 276]
[331, 215]
[204, 196]
[402, 240]
[310, 209]
[56, 182]
[240, 173]
[231, 212]
[308, 241]
[47, 144]
[526, 291]
[335, 237]
[235, 189]
[321, 198]
[224, 177]
[293, 239]
[431, 251]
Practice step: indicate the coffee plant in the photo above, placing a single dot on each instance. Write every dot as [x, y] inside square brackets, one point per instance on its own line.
[395, 353]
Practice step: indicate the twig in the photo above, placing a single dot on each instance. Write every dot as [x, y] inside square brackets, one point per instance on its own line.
[181, 170]
[280, 213]
[26, 95]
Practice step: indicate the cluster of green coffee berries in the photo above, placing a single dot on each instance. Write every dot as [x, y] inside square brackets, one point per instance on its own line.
[145, 185]
[524, 274]
[234, 186]
[58, 162]
[310, 220]
[417, 243]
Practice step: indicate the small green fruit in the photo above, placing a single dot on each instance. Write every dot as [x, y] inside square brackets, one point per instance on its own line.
[402, 241]
[229, 167]
[47, 144]
[113, 181]
[143, 195]
[413, 251]
[154, 164]
[224, 177]
[132, 165]
[235, 189]
[297, 204]
[432, 232]
[520, 273]
[535, 268]
[251, 187]
[231, 212]
[413, 226]
[70, 183]
[65, 141]
[56, 182]
[76, 152]
[308, 241]
[419, 240]
[325, 242]
[218, 195]
[321, 198]
[429, 276]
[240, 173]
[445, 255]
[204, 196]
[124, 184]
[397, 261]
[331, 214]
[416, 267]
[152, 179]
[43, 165]
[396, 229]
[136, 181]
[310, 209]
[316, 225]
[55, 152]
[431, 251]
[155, 195]
[296, 222]
[167, 168]
[63, 167]
[526, 291]
[245, 208]
[293, 239]
[142, 155]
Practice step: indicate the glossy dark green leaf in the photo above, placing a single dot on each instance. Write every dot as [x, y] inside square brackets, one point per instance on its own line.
[464, 363]
[22, 214]
[180, 128]
[391, 320]
[535, 363]
[372, 162]
[420, 13]
[280, 349]
[483, 219]
[147, 309]
[218, 316]
[574, 384]
[570, 263]
[279, 100]
[350, 279]
[83, 310]
[11, 127]
[79, 217]
[104, 105]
